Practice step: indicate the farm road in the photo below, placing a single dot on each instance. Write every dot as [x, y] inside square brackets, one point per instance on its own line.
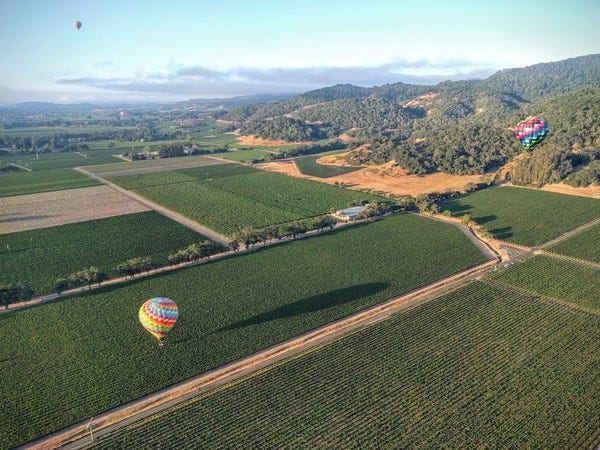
[160, 209]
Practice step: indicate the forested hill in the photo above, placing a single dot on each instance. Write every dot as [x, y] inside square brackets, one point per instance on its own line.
[454, 127]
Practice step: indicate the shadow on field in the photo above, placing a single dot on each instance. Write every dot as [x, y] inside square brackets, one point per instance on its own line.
[311, 304]
[459, 210]
[485, 219]
[502, 233]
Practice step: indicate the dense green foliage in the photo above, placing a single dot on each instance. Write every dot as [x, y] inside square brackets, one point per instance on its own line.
[585, 177]
[20, 183]
[284, 128]
[461, 127]
[308, 166]
[74, 358]
[554, 278]
[477, 368]
[584, 245]
[39, 257]
[525, 216]
[229, 197]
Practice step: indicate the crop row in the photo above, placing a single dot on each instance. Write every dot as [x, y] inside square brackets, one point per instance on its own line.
[525, 216]
[39, 257]
[229, 197]
[553, 278]
[584, 245]
[76, 358]
[477, 368]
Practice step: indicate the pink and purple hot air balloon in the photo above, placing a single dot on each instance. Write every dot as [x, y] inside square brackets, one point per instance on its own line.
[531, 131]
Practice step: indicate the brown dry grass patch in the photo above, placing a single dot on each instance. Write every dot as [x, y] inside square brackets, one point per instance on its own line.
[255, 140]
[49, 209]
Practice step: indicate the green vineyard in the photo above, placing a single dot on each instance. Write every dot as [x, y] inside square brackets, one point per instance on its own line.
[73, 359]
[557, 279]
[229, 197]
[39, 257]
[477, 368]
[525, 216]
[584, 245]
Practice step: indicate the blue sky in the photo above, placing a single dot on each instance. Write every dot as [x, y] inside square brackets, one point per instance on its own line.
[174, 49]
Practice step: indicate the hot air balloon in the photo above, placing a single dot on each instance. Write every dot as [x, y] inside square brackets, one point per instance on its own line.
[77, 24]
[157, 316]
[531, 131]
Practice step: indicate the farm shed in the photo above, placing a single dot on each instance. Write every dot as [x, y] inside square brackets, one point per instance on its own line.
[349, 213]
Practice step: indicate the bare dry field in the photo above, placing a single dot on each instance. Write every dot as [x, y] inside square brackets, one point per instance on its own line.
[254, 140]
[335, 160]
[49, 209]
[386, 178]
[590, 191]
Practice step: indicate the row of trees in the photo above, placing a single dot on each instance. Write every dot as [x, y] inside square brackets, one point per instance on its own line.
[134, 266]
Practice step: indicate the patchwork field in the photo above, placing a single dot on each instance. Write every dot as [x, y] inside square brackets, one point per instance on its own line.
[49, 171]
[49, 209]
[232, 197]
[151, 165]
[584, 245]
[525, 216]
[557, 279]
[476, 368]
[21, 183]
[95, 356]
[40, 257]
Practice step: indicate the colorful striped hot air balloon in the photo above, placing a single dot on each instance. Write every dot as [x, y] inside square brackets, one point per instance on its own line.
[157, 316]
[531, 132]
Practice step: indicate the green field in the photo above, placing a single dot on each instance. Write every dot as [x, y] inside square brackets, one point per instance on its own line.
[75, 358]
[525, 216]
[226, 202]
[477, 368]
[45, 161]
[20, 183]
[308, 166]
[556, 279]
[243, 155]
[48, 131]
[49, 172]
[40, 257]
[584, 245]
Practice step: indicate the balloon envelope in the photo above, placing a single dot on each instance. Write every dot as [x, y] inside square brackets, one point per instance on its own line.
[531, 132]
[77, 24]
[158, 315]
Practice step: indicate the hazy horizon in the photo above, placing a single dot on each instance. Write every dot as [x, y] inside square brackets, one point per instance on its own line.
[158, 52]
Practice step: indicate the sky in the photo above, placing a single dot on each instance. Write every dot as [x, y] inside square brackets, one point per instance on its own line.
[167, 50]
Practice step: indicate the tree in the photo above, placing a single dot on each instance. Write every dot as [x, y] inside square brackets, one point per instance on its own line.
[60, 285]
[466, 220]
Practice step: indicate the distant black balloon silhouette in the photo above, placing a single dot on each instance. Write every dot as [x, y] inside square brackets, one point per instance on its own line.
[77, 24]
